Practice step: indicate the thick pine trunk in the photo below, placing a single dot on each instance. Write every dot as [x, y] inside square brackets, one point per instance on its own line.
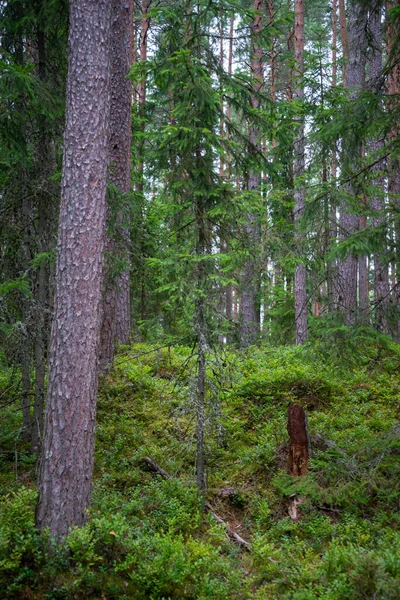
[67, 459]
[300, 281]
[249, 325]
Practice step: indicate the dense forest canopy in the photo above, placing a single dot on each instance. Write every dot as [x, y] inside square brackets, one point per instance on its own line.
[214, 185]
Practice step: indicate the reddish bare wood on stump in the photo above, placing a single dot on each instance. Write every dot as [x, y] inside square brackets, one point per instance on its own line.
[67, 459]
[299, 441]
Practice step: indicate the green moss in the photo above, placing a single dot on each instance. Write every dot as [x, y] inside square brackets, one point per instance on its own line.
[149, 538]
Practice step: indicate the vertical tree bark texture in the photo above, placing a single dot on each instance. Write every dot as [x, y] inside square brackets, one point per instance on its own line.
[299, 445]
[67, 459]
[26, 349]
[116, 305]
[229, 290]
[330, 267]
[346, 284]
[363, 275]
[249, 324]
[393, 88]
[45, 164]
[344, 36]
[300, 276]
[200, 320]
[381, 272]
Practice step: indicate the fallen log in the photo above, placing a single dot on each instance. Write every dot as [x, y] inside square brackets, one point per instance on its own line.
[153, 466]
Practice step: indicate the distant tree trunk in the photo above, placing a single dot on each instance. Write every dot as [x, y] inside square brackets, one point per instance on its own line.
[330, 267]
[299, 445]
[348, 223]
[363, 275]
[393, 88]
[45, 164]
[229, 290]
[300, 276]
[66, 470]
[345, 37]
[249, 325]
[116, 304]
[202, 248]
[381, 272]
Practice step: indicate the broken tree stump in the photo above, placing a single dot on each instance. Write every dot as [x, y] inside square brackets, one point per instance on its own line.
[299, 445]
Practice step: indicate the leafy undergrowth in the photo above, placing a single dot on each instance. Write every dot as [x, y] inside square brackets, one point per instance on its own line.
[149, 538]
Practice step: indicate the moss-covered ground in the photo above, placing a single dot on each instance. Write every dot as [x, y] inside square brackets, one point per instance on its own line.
[149, 538]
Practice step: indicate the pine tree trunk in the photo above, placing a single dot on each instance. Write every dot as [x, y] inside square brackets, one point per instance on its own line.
[116, 303]
[67, 459]
[346, 284]
[249, 325]
[330, 267]
[393, 88]
[344, 36]
[300, 281]
[381, 272]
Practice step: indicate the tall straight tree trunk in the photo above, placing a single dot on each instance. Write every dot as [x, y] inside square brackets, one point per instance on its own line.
[381, 272]
[393, 88]
[66, 469]
[116, 305]
[201, 250]
[344, 36]
[363, 275]
[45, 164]
[300, 276]
[249, 325]
[355, 76]
[229, 290]
[330, 267]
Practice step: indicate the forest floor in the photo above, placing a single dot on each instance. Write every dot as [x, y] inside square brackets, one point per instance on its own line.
[149, 537]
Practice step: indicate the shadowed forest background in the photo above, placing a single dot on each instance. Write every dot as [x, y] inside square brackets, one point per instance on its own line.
[199, 299]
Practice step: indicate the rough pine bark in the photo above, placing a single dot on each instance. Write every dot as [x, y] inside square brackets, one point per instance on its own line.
[393, 89]
[346, 283]
[249, 324]
[116, 303]
[300, 276]
[381, 272]
[66, 469]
